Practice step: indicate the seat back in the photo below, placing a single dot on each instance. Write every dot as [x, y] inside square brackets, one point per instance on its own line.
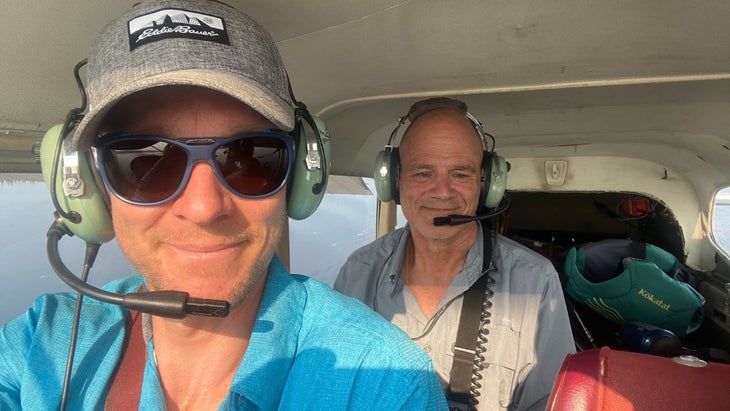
[607, 380]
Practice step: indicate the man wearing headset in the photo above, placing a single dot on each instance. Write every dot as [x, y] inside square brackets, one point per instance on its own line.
[198, 84]
[418, 276]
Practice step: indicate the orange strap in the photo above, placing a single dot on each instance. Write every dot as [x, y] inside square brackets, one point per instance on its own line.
[126, 384]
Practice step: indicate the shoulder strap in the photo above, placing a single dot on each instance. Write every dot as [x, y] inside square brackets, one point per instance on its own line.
[465, 349]
[126, 384]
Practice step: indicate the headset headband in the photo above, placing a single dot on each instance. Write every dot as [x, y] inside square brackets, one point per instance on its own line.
[424, 106]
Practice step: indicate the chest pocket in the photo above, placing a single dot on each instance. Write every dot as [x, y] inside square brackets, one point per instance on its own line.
[501, 358]
[500, 373]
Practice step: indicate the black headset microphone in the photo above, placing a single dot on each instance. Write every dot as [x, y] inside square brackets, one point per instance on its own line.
[458, 219]
[171, 304]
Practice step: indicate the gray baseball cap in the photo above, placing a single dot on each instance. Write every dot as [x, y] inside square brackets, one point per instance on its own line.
[185, 42]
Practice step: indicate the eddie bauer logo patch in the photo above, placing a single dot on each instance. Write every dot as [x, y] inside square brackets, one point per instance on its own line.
[176, 23]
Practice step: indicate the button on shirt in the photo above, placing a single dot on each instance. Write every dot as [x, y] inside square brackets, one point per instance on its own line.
[529, 334]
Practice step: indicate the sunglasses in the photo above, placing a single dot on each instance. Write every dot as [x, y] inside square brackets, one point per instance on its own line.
[151, 170]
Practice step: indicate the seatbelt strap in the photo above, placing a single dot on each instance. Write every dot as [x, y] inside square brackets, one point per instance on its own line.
[468, 331]
[126, 384]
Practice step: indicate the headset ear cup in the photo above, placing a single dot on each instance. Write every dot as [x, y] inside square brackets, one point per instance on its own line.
[96, 224]
[495, 183]
[381, 176]
[387, 167]
[486, 177]
[395, 175]
[308, 186]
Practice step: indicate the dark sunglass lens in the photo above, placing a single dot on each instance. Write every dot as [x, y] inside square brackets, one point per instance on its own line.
[144, 171]
[254, 166]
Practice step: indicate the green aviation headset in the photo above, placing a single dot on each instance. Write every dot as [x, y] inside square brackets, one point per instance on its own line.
[82, 201]
[494, 167]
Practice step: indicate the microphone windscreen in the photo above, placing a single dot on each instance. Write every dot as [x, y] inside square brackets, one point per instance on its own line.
[437, 221]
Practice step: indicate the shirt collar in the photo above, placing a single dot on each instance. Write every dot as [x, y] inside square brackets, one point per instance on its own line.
[390, 289]
[463, 280]
[261, 377]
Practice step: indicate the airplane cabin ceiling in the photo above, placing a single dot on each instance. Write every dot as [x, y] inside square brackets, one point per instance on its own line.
[538, 73]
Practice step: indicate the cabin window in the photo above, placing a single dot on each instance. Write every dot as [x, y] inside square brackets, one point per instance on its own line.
[27, 215]
[343, 222]
[721, 219]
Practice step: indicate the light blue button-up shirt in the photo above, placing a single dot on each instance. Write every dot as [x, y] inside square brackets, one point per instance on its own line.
[529, 332]
[311, 348]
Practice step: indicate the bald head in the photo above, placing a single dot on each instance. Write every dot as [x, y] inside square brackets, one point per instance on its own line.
[441, 121]
[440, 172]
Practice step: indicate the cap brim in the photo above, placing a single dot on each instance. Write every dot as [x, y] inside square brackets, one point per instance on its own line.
[269, 105]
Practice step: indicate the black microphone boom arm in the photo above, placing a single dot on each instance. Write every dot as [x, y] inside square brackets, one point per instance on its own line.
[171, 304]
[458, 219]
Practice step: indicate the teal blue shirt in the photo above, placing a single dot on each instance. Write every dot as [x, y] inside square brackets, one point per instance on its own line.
[311, 348]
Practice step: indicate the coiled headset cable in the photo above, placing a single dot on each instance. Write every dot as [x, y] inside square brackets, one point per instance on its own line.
[481, 348]
[469, 361]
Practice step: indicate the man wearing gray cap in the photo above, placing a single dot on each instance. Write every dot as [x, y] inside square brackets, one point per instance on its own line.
[189, 128]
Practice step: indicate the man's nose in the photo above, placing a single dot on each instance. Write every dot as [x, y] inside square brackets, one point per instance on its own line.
[443, 187]
[204, 198]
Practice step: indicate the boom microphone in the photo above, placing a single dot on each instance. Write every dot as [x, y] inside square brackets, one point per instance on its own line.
[458, 219]
[171, 304]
